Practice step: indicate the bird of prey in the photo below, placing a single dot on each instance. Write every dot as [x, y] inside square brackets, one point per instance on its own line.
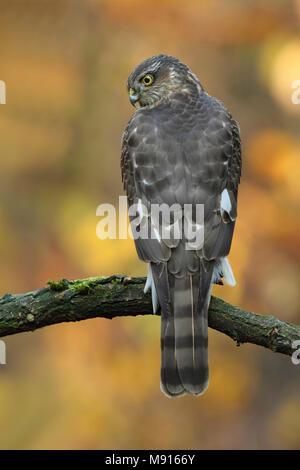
[181, 147]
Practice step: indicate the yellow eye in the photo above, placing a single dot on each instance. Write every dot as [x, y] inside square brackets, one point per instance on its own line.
[147, 80]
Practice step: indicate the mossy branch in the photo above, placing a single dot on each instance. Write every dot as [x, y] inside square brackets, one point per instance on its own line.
[65, 301]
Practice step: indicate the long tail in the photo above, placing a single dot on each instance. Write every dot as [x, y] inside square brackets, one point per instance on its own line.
[184, 305]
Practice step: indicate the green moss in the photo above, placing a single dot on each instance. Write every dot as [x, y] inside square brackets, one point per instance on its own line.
[63, 284]
[116, 281]
[80, 286]
[83, 285]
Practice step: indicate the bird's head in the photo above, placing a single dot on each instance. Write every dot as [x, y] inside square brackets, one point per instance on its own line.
[156, 78]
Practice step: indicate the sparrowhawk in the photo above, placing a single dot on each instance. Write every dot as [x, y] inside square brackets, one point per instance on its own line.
[181, 147]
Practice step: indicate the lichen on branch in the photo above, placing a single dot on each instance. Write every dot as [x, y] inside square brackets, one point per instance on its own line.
[109, 297]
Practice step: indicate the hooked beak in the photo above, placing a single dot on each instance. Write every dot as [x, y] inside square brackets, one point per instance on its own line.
[133, 96]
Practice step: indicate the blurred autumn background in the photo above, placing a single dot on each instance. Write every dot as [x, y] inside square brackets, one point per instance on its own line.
[95, 384]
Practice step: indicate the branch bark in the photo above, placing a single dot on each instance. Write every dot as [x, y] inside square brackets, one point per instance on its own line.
[65, 301]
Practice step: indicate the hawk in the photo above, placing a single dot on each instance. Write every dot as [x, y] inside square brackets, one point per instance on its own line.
[181, 146]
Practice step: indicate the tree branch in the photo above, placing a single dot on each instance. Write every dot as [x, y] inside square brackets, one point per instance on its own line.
[65, 301]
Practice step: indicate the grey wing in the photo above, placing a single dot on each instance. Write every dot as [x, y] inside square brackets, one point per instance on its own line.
[205, 168]
[146, 181]
[220, 219]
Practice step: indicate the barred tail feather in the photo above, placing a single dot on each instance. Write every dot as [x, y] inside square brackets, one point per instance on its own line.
[184, 331]
[170, 381]
[191, 333]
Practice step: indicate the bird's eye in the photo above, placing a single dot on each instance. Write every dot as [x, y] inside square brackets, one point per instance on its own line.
[147, 80]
